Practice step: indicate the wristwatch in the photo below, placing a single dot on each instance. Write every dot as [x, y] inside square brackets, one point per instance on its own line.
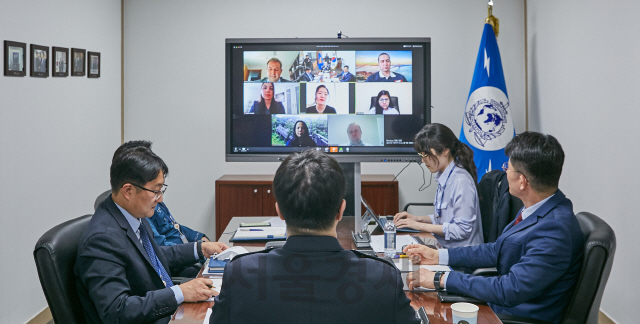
[436, 280]
[199, 248]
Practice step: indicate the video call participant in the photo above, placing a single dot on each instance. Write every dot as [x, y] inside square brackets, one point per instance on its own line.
[456, 220]
[301, 136]
[274, 69]
[307, 62]
[306, 76]
[122, 275]
[382, 105]
[163, 224]
[538, 256]
[355, 136]
[385, 74]
[346, 76]
[311, 279]
[267, 104]
[322, 95]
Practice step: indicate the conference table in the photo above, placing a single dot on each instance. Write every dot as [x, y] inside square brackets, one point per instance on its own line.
[438, 313]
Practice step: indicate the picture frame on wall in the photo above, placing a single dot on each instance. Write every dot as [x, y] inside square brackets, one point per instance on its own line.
[60, 61]
[93, 64]
[78, 58]
[39, 66]
[15, 58]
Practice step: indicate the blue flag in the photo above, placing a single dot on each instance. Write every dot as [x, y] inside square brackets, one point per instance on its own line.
[487, 126]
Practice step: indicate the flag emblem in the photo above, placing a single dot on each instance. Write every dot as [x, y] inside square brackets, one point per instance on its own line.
[486, 119]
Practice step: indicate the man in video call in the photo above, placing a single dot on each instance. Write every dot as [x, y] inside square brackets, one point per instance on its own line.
[538, 255]
[307, 62]
[346, 75]
[274, 69]
[355, 136]
[122, 275]
[385, 74]
[306, 76]
[311, 279]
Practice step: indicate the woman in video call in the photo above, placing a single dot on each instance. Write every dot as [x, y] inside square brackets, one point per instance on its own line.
[301, 135]
[456, 220]
[382, 105]
[266, 104]
[322, 95]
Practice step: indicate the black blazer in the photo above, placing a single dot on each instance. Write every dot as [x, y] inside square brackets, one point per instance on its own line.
[327, 110]
[311, 279]
[114, 276]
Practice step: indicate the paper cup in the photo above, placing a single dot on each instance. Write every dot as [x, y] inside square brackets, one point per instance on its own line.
[464, 313]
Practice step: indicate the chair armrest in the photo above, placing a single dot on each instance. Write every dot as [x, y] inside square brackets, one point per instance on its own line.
[485, 272]
[416, 204]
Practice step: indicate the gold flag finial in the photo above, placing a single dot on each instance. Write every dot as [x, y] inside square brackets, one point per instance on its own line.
[492, 20]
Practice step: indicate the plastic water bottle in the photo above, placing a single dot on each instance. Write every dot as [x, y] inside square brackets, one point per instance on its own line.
[389, 239]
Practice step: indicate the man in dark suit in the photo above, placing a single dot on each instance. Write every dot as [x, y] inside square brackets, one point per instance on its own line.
[346, 75]
[122, 275]
[274, 70]
[307, 62]
[537, 256]
[311, 279]
[306, 76]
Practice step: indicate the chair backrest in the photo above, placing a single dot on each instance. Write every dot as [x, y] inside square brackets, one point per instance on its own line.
[55, 256]
[393, 103]
[597, 259]
[100, 199]
[497, 206]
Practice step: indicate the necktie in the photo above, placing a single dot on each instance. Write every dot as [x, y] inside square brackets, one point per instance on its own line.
[154, 258]
[518, 219]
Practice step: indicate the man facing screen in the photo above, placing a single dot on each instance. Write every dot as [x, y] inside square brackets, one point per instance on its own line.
[311, 279]
[385, 74]
[274, 69]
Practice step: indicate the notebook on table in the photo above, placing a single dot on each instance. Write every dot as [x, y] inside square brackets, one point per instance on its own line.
[273, 233]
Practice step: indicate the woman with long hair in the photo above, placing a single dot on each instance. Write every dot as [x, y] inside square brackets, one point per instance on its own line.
[301, 135]
[456, 220]
[321, 107]
[267, 104]
[382, 105]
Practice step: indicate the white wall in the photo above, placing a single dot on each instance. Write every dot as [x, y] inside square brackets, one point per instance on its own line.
[584, 81]
[174, 79]
[57, 136]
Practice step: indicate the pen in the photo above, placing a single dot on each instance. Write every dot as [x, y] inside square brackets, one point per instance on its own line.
[399, 256]
[251, 229]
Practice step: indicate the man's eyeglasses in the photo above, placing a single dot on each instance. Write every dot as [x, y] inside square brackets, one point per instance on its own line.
[157, 192]
[505, 167]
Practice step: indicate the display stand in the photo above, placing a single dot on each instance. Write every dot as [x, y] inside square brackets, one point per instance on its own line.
[361, 236]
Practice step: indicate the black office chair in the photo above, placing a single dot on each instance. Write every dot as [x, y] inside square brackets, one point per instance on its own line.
[55, 256]
[600, 247]
[393, 103]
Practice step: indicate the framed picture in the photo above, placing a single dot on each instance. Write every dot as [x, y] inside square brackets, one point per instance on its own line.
[39, 61]
[60, 62]
[77, 61]
[93, 64]
[15, 58]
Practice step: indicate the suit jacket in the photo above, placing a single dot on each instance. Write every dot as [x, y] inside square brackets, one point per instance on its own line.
[114, 275]
[304, 78]
[348, 77]
[311, 279]
[538, 261]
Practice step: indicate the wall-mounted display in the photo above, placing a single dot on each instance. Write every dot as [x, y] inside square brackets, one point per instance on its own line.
[93, 64]
[77, 61]
[15, 56]
[60, 62]
[39, 61]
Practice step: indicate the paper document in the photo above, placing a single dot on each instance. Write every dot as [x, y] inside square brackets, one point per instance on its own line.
[217, 285]
[405, 265]
[377, 242]
[404, 282]
[276, 221]
[231, 252]
[258, 233]
[206, 317]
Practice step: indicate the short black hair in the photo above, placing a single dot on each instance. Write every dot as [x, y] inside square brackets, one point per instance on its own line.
[129, 145]
[539, 157]
[309, 187]
[136, 165]
[346, 66]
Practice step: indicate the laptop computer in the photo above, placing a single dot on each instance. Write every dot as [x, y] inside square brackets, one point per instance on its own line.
[382, 220]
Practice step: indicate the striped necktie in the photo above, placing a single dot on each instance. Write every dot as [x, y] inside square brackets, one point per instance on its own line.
[154, 258]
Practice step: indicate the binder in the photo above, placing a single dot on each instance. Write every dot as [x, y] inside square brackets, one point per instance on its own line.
[260, 234]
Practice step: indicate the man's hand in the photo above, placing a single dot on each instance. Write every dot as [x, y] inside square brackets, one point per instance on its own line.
[209, 248]
[198, 289]
[420, 254]
[420, 278]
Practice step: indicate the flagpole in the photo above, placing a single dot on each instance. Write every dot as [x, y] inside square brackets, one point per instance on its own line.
[526, 71]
